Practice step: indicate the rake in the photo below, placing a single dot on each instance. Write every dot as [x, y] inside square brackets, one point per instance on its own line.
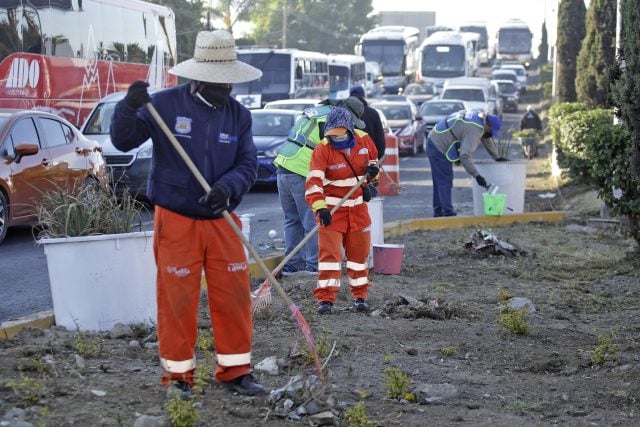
[296, 314]
[261, 297]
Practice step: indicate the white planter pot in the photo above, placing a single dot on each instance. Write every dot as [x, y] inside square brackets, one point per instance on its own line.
[510, 178]
[98, 281]
[377, 224]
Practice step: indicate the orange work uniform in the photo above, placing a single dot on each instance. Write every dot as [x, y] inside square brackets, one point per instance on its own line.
[330, 178]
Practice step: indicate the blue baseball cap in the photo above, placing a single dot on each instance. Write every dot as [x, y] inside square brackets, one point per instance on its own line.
[495, 123]
[357, 91]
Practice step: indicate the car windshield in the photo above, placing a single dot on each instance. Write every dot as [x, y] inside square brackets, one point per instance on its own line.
[507, 87]
[297, 107]
[99, 122]
[503, 76]
[473, 95]
[440, 108]
[419, 90]
[271, 124]
[393, 112]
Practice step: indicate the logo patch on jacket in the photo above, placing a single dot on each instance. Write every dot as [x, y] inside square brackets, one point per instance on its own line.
[225, 138]
[183, 125]
[337, 166]
[363, 150]
[236, 266]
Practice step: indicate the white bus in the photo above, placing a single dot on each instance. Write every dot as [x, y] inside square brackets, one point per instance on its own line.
[286, 74]
[394, 48]
[345, 71]
[479, 28]
[513, 43]
[445, 55]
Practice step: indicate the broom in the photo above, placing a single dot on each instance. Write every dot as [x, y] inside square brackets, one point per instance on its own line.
[295, 311]
[261, 297]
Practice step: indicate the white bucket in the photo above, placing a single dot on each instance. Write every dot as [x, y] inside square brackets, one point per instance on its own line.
[510, 177]
[246, 230]
[377, 224]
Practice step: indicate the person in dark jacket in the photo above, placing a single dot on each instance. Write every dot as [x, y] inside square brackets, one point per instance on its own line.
[190, 233]
[371, 119]
[530, 120]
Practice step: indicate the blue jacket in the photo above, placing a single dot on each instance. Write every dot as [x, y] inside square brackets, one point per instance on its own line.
[219, 141]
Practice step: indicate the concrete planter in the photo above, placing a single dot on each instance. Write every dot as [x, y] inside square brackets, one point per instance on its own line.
[509, 176]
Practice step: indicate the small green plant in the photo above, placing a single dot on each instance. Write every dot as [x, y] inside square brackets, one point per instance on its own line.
[387, 358]
[397, 382]
[204, 341]
[43, 414]
[363, 394]
[504, 296]
[140, 330]
[204, 372]
[515, 321]
[449, 351]
[605, 350]
[182, 413]
[322, 347]
[87, 347]
[28, 390]
[33, 364]
[357, 417]
[528, 133]
[503, 143]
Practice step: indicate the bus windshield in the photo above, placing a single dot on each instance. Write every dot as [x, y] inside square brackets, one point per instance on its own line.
[514, 41]
[276, 73]
[443, 61]
[388, 53]
[482, 31]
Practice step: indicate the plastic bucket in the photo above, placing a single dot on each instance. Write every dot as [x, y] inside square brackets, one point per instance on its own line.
[387, 258]
[494, 203]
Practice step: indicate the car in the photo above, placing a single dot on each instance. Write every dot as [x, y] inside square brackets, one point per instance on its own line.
[128, 171]
[509, 94]
[435, 110]
[270, 129]
[521, 73]
[299, 104]
[419, 92]
[403, 119]
[479, 93]
[41, 152]
[503, 74]
[393, 97]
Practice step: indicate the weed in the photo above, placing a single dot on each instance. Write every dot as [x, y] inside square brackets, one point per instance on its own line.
[140, 330]
[363, 394]
[515, 321]
[43, 413]
[449, 350]
[204, 341]
[397, 382]
[322, 347]
[182, 413]
[357, 417]
[87, 348]
[203, 373]
[387, 358]
[504, 296]
[28, 390]
[605, 351]
[32, 364]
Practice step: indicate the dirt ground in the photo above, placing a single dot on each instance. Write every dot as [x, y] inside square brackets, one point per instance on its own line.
[437, 323]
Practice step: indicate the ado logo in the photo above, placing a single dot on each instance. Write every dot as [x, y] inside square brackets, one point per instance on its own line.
[23, 73]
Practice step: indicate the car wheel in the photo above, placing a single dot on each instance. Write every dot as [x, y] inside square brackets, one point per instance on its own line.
[4, 216]
[424, 143]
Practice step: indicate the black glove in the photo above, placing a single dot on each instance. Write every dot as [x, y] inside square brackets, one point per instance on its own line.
[502, 159]
[217, 199]
[137, 94]
[372, 171]
[481, 181]
[324, 215]
[369, 191]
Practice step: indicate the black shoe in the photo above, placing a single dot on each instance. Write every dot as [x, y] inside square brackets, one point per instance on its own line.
[181, 390]
[325, 307]
[360, 304]
[247, 385]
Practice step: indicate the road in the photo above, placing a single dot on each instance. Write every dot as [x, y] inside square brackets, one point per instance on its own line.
[24, 281]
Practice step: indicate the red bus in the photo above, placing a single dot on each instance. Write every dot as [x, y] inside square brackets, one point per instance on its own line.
[63, 56]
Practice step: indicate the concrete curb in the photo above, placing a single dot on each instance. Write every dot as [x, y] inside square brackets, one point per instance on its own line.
[44, 319]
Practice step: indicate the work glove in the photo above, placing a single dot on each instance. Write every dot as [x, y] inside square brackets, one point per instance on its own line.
[502, 159]
[372, 171]
[369, 192]
[217, 199]
[137, 94]
[481, 181]
[324, 215]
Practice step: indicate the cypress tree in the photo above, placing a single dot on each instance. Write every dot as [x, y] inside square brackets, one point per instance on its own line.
[597, 53]
[571, 31]
[543, 48]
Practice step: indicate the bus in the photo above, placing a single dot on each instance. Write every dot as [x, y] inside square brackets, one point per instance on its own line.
[345, 71]
[394, 48]
[286, 74]
[63, 56]
[445, 55]
[513, 43]
[479, 28]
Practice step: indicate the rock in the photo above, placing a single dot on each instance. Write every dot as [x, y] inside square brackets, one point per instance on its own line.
[268, 366]
[313, 407]
[323, 418]
[49, 359]
[312, 383]
[294, 389]
[518, 303]
[80, 361]
[99, 393]
[581, 229]
[14, 414]
[411, 351]
[134, 344]
[151, 345]
[120, 330]
[150, 421]
[288, 404]
[432, 393]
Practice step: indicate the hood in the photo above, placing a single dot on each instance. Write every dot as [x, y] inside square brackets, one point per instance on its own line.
[109, 150]
[265, 143]
[476, 105]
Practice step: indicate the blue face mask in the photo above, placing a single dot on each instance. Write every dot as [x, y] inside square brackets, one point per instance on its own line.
[342, 142]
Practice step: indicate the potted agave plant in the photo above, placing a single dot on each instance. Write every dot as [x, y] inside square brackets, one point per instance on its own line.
[528, 139]
[101, 265]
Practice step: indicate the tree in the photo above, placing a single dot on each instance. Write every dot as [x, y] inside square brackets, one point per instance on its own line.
[189, 21]
[597, 53]
[231, 11]
[626, 80]
[571, 31]
[543, 48]
[330, 26]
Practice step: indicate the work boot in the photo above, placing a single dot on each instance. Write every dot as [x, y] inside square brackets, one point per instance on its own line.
[181, 390]
[325, 307]
[247, 385]
[360, 304]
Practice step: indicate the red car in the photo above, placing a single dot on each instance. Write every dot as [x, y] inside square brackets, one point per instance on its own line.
[40, 152]
[404, 121]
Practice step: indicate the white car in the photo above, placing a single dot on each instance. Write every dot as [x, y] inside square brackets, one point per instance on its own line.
[521, 74]
[478, 92]
[299, 104]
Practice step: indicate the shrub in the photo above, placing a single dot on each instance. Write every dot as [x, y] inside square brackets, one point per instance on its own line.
[528, 133]
[397, 382]
[557, 114]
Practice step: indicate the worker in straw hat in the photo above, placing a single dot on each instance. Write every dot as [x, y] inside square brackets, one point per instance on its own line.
[190, 232]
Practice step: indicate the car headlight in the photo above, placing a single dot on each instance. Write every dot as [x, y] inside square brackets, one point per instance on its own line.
[407, 131]
[271, 153]
[146, 152]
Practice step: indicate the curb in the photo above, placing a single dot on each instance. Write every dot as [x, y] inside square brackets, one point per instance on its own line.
[44, 319]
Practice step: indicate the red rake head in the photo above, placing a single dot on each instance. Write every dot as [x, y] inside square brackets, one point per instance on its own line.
[306, 331]
[261, 297]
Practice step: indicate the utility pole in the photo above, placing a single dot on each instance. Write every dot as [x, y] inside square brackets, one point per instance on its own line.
[284, 25]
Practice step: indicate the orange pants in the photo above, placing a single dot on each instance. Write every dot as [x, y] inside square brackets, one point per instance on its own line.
[356, 247]
[183, 247]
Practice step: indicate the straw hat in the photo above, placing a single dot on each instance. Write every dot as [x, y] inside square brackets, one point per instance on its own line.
[215, 61]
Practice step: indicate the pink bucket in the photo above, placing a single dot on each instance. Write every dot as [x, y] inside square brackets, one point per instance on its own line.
[387, 258]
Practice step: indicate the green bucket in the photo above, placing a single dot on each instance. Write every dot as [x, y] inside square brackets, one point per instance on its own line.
[494, 203]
